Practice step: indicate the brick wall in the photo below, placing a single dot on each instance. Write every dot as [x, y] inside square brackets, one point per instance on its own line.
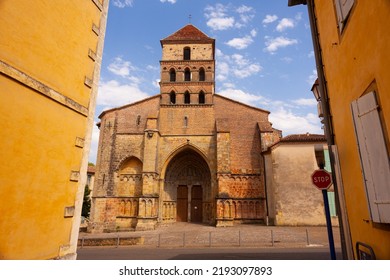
[245, 142]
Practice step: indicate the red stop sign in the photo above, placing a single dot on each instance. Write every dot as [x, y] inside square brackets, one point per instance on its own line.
[321, 179]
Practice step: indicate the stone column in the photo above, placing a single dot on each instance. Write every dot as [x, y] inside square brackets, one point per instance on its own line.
[149, 199]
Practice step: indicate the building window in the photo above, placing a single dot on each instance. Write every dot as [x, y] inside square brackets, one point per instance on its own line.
[187, 75]
[138, 120]
[202, 75]
[187, 98]
[201, 98]
[343, 9]
[172, 75]
[185, 121]
[374, 155]
[187, 53]
[172, 98]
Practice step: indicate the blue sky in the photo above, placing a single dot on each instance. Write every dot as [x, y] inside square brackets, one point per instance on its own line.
[264, 55]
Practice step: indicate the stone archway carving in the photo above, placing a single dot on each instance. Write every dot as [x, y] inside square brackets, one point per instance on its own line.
[129, 177]
[187, 167]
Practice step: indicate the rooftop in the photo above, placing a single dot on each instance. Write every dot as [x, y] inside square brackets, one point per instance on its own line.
[187, 33]
[307, 137]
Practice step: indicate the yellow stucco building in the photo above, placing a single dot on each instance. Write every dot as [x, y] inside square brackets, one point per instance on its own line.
[50, 57]
[352, 43]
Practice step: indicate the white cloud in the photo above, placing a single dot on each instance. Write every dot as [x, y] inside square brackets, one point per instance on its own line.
[236, 64]
[241, 96]
[253, 33]
[222, 70]
[120, 67]
[246, 13]
[240, 60]
[247, 71]
[94, 144]
[228, 85]
[217, 17]
[156, 83]
[218, 52]
[284, 24]
[240, 43]
[244, 9]
[220, 23]
[298, 16]
[223, 17]
[114, 94]
[291, 123]
[273, 44]
[312, 78]
[243, 67]
[305, 102]
[286, 59]
[311, 54]
[122, 3]
[169, 1]
[153, 67]
[269, 19]
[215, 12]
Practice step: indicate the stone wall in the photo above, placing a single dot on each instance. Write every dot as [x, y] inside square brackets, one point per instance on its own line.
[198, 51]
[292, 198]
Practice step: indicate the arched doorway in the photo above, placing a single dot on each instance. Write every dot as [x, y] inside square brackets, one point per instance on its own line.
[187, 186]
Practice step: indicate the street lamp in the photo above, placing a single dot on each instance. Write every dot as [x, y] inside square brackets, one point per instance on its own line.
[316, 92]
[296, 2]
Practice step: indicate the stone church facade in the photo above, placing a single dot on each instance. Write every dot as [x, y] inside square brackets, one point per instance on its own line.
[186, 154]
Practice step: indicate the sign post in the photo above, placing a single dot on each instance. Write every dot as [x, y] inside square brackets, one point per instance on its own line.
[323, 180]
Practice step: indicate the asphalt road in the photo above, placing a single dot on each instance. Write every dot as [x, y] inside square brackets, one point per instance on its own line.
[142, 253]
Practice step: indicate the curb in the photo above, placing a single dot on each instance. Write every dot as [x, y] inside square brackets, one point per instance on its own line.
[111, 241]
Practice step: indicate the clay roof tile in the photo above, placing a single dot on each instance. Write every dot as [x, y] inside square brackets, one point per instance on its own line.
[307, 137]
[187, 33]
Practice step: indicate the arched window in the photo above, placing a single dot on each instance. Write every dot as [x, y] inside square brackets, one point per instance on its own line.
[186, 53]
[172, 98]
[201, 98]
[172, 75]
[202, 75]
[187, 75]
[187, 98]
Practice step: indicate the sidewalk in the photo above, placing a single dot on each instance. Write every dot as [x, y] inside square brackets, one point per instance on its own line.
[200, 235]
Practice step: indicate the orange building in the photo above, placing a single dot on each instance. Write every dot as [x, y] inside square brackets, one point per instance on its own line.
[50, 57]
[351, 43]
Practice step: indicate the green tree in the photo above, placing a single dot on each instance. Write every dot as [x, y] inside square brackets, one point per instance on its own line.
[86, 203]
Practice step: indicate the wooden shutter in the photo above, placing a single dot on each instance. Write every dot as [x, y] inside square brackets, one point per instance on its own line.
[332, 204]
[343, 8]
[374, 156]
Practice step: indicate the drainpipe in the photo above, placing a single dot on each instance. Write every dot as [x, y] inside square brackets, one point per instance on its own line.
[266, 192]
[327, 120]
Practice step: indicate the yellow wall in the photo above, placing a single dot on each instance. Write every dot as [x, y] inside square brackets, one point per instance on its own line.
[356, 61]
[44, 108]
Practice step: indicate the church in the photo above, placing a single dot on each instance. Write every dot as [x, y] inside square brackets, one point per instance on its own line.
[186, 154]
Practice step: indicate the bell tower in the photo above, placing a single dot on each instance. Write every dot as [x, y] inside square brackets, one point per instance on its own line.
[187, 68]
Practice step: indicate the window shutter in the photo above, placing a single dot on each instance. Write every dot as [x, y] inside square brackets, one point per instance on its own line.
[343, 7]
[327, 161]
[374, 156]
[332, 204]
